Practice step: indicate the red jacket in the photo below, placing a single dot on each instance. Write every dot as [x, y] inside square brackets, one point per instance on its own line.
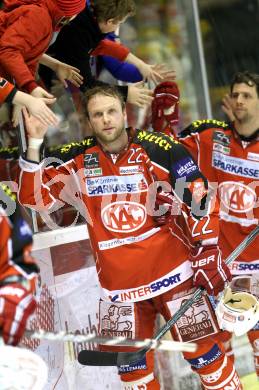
[26, 28]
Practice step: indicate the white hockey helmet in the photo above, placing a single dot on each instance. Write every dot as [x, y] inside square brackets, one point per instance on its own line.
[237, 312]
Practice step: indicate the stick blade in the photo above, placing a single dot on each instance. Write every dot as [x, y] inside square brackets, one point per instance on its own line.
[129, 358]
[97, 358]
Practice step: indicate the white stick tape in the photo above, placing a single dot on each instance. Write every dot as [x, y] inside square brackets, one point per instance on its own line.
[165, 345]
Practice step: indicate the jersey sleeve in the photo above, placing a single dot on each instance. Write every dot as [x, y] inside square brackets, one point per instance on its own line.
[7, 91]
[121, 70]
[110, 48]
[52, 184]
[45, 187]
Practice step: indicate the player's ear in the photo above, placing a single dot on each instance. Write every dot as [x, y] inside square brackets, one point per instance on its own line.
[124, 111]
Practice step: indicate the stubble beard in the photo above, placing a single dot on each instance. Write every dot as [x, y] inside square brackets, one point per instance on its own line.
[243, 119]
[109, 138]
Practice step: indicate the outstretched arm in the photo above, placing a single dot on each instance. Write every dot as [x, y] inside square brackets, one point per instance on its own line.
[36, 107]
[64, 71]
[122, 71]
[154, 73]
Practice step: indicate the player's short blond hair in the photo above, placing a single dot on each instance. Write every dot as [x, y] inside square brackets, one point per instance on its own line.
[105, 90]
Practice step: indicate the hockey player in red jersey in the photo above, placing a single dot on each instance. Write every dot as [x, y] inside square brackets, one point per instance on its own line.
[228, 154]
[112, 178]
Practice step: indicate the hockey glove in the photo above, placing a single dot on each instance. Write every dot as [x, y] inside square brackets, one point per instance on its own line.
[16, 305]
[165, 105]
[167, 206]
[210, 271]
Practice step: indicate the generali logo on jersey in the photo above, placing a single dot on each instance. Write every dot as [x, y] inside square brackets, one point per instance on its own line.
[117, 320]
[123, 216]
[237, 197]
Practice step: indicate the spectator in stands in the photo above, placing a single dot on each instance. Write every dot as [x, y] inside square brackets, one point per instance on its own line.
[85, 36]
[23, 40]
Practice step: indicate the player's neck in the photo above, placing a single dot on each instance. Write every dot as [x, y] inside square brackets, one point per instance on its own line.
[246, 129]
[117, 145]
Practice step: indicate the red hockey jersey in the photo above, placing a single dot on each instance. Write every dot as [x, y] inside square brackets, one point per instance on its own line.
[135, 258]
[233, 165]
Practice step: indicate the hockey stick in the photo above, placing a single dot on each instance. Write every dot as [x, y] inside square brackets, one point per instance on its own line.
[98, 358]
[165, 345]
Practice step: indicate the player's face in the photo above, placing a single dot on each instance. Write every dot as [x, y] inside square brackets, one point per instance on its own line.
[245, 102]
[110, 25]
[107, 118]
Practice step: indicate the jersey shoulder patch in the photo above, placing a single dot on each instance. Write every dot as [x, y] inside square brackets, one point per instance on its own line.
[161, 149]
[66, 152]
[9, 153]
[203, 124]
[155, 140]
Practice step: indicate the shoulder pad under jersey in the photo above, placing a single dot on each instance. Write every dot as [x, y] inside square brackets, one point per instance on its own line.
[68, 151]
[9, 153]
[4, 189]
[203, 124]
[155, 142]
[161, 148]
[7, 200]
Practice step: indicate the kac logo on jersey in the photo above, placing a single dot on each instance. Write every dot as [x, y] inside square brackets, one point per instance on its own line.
[123, 217]
[237, 197]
